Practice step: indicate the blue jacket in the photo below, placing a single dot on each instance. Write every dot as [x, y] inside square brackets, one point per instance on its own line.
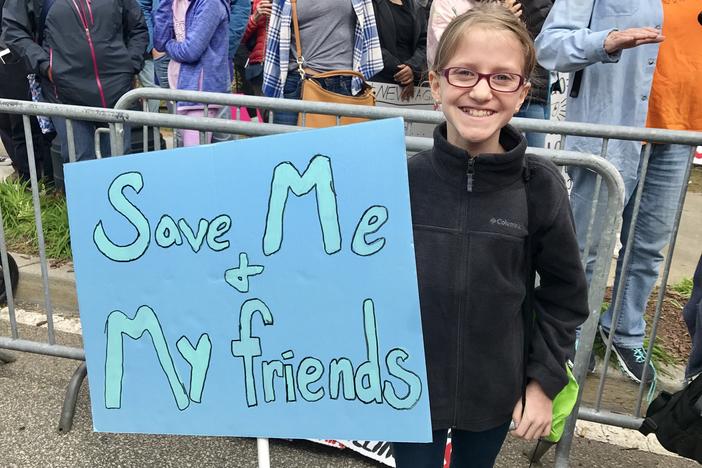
[203, 54]
[614, 88]
[240, 11]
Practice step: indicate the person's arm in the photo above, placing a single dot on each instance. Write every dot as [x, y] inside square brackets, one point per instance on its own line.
[566, 43]
[239, 16]
[560, 300]
[419, 58]
[146, 8]
[18, 29]
[163, 25]
[251, 23]
[136, 33]
[390, 61]
[197, 36]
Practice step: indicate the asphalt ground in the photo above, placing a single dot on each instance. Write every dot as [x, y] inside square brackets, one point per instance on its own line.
[31, 396]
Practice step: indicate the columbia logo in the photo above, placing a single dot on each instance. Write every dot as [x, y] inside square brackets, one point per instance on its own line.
[509, 224]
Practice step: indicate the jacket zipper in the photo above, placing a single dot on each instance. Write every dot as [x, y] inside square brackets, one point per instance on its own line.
[51, 71]
[84, 21]
[469, 173]
[463, 276]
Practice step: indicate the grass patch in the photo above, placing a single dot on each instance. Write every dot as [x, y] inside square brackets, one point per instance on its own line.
[683, 287]
[18, 216]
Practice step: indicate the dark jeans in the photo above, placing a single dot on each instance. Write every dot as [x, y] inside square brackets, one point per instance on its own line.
[84, 139]
[692, 313]
[469, 449]
[293, 90]
[533, 110]
[13, 85]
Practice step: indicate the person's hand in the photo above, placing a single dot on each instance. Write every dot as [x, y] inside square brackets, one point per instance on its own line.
[535, 422]
[155, 54]
[404, 75]
[514, 6]
[633, 37]
[263, 9]
[407, 92]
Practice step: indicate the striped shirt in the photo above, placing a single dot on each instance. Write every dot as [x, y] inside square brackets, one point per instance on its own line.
[367, 56]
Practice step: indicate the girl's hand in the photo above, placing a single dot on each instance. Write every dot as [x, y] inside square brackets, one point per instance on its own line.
[264, 9]
[514, 6]
[535, 422]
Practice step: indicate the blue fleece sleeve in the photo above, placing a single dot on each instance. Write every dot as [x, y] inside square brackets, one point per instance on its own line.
[162, 21]
[197, 37]
[241, 9]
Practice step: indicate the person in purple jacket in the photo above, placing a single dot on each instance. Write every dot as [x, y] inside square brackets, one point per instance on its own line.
[195, 34]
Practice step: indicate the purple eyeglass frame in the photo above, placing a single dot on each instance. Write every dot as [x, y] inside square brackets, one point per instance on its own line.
[445, 72]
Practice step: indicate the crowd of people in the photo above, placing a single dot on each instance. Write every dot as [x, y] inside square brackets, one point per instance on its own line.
[631, 63]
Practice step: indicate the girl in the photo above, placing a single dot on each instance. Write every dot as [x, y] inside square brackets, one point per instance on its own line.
[195, 34]
[479, 209]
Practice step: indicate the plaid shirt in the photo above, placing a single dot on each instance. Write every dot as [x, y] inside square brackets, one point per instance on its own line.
[367, 56]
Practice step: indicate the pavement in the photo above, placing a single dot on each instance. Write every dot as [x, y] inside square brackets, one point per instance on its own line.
[33, 388]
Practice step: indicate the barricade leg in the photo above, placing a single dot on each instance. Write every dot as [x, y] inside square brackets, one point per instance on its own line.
[6, 358]
[69, 403]
[540, 449]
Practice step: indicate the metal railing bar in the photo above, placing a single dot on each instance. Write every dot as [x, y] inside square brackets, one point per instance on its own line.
[40, 228]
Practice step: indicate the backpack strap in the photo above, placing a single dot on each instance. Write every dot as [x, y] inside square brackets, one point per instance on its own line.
[528, 304]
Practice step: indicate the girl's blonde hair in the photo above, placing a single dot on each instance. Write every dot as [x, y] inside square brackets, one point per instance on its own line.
[493, 16]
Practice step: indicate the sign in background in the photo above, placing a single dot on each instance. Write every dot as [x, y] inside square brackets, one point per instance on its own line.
[264, 287]
[388, 95]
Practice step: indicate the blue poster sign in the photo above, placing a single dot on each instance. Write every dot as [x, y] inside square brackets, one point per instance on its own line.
[263, 287]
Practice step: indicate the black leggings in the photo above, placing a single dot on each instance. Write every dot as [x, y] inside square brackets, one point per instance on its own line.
[469, 449]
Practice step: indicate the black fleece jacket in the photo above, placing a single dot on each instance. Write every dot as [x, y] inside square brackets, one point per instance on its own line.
[471, 224]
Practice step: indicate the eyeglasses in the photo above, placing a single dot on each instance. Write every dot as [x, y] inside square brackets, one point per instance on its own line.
[466, 78]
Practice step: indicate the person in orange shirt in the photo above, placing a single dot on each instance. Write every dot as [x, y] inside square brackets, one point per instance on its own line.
[635, 74]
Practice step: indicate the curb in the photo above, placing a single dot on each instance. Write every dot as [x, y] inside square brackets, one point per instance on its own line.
[62, 285]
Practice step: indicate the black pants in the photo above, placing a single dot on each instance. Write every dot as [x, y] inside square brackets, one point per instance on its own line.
[469, 449]
[13, 85]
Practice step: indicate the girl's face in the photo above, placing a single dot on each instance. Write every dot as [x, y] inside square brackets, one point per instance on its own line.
[476, 115]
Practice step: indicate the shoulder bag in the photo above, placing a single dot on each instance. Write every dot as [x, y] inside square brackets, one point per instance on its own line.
[313, 91]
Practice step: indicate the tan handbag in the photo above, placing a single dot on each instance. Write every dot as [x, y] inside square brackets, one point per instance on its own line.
[313, 91]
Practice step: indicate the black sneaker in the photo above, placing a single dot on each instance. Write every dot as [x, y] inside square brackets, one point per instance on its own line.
[631, 361]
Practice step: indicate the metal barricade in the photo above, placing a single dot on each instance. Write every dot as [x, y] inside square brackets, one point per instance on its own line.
[117, 118]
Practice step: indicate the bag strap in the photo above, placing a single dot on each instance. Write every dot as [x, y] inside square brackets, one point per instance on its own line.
[298, 43]
[528, 304]
[578, 75]
[339, 72]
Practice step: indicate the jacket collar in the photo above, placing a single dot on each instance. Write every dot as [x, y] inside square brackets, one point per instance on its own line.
[491, 171]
